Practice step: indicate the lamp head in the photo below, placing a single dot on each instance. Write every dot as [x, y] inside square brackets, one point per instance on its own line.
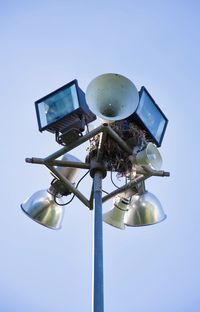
[57, 187]
[42, 208]
[144, 209]
[112, 97]
[149, 117]
[69, 172]
[115, 217]
[63, 110]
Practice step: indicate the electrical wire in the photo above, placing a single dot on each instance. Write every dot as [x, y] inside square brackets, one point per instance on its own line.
[111, 177]
[87, 127]
[67, 203]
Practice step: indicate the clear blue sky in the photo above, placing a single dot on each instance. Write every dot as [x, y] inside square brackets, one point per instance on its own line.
[45, 44]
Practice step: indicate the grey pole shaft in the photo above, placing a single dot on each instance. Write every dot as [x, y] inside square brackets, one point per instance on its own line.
[98, 297]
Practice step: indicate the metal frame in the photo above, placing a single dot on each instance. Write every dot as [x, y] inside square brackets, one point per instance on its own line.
[142, 172]
[96, 200]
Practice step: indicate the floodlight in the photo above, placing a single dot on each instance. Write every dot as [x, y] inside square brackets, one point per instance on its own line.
[115, 217]
[42, 208]
[112, 97]
[63, 110]
[143, 210]
[150, 117]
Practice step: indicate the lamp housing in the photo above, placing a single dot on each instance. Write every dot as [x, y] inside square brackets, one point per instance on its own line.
[115, 217]
[42, 208]
[63, 109]
[144, 209]
[150, 117]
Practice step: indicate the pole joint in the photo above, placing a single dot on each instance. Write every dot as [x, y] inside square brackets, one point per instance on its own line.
[97, 166]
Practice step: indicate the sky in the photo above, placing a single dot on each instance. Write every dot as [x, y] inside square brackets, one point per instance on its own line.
[44, 45]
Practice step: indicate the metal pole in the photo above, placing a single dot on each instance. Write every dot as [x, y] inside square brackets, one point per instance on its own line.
[98, 301]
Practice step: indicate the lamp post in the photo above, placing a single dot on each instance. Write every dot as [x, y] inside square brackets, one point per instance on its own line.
[98, 165]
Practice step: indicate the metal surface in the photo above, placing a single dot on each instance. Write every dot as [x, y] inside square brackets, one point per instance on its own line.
[69, 172]
[59, 163]
[125, 187]
[69, 185]
[115, 217]
[42, 208]
[144, 209]
[150, 156]
[98, 297]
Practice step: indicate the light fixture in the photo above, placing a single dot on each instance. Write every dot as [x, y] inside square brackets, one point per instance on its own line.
[134, 123]
[64, 110]
[42, 208]
[115, 217]
[72, 172]
[112, 97]
[149, 156]
[144, 209]
[150, 117]
[57, 187]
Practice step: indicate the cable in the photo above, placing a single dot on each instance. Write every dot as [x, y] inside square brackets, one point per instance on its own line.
[82, 178]
[87, 126]
[67, 203]
[111, 177]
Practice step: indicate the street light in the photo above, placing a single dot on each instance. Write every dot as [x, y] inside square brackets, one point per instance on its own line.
[123, 144]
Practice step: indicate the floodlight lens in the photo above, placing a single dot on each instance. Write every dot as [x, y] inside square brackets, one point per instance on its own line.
[151, 116]
[58, 105]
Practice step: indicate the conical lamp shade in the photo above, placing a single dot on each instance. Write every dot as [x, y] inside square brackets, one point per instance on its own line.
[144, 209]
[42, 208]
[115, 217]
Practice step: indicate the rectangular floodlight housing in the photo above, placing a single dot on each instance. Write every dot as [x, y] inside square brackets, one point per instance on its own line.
[63, 109]
[150, 118]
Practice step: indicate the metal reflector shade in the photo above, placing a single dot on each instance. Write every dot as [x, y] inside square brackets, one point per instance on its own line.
[115, 217]
[69, 173]
[144, 210]
[42, 208]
